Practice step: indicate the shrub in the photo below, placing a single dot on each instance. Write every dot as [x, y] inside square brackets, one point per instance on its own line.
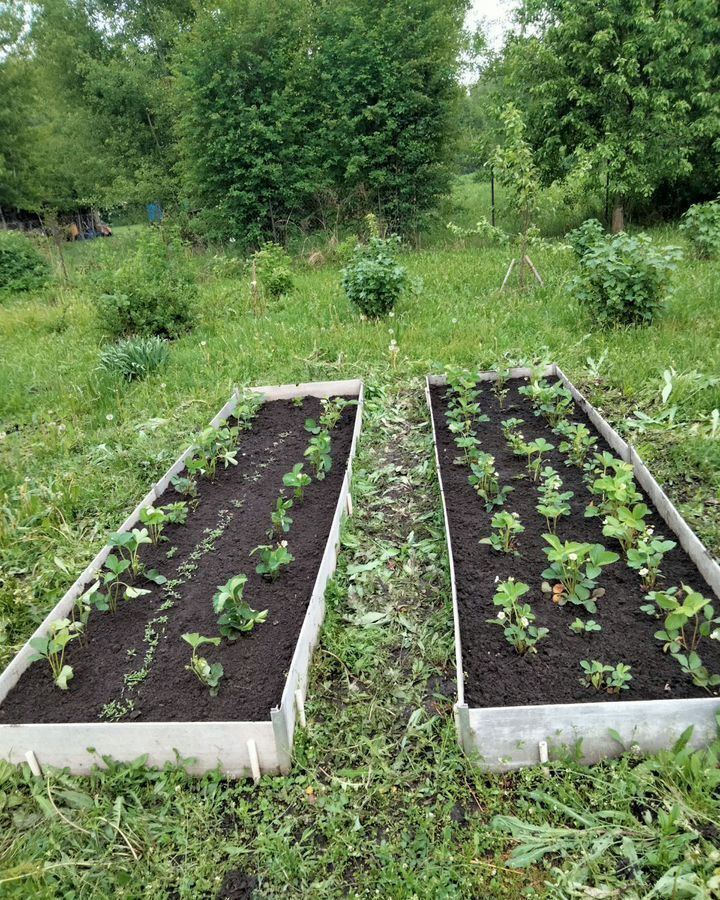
[152, 292]
[273, 268]
[701, 224]
[586, 236]
[374, 280]
[624, 279]
[22, 267]
[135, 357]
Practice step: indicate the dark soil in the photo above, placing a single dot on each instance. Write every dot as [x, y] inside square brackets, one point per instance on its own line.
[241, 498]
[237, 886]
[495, 675]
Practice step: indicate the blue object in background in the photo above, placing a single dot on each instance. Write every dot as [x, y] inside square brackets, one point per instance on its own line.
[155, 213]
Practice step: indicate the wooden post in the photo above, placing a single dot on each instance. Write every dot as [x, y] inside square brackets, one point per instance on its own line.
[535, 272]
[492, 195]
[507, 274]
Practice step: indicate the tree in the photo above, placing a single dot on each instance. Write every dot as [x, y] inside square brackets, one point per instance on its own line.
[618, 89]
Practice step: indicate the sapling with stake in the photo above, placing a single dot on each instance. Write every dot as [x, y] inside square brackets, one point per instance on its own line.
[507, 527]
[52, 648]
[318, 452]
[298, 480]
[206, 673]
[272, 559]
[516, 618]
[235, 616]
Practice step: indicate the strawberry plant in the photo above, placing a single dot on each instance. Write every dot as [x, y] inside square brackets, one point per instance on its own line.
[554, 502]
[206, 673]
[507, 527]
[486, 481]
[647, 556]
[318, 452]
[187, 487]
[553, 401]
[272, 559]
[534, 451]
[580, 627]
[470, 446]
[626, 525]
[578, 442]
[235, 616]
[598, 675]
[576, 567]
[513, 436]
[212, 446]
[614, 490]
[279, 517]
[298, 480]
[516, 618]
[52, 648]
[128, 544]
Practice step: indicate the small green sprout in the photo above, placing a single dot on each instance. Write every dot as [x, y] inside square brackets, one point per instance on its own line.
[52, 648]
[598, 675]
[235, 616]
[207, 673]
[279, 517]
[580, 627]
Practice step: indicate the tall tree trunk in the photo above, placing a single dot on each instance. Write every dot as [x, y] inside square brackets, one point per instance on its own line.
[618, 218]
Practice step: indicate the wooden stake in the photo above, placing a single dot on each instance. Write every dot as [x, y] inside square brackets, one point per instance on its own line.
[254, 761]
[34, 764]
[507, 274]
[300, 706]
[349, 504]
[533, 269]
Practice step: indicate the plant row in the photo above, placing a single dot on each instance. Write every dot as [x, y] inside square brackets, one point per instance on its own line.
[574, 567]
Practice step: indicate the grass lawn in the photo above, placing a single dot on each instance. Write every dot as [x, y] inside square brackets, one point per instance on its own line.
[381, 802]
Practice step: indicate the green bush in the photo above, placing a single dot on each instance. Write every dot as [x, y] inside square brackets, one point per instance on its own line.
[584, 237]
[153, 291]
[273, 269]
[701, 225]
[22, 267]
[374, 280]
[135, 358]
[624, 279]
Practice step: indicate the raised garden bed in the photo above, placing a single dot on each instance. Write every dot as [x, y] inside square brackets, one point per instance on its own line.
[524, 694]
[131, 692]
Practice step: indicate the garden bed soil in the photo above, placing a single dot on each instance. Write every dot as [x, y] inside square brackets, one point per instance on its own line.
[495, 675]
[239, 502]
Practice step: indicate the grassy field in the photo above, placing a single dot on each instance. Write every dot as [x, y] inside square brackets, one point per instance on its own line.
[380, 802]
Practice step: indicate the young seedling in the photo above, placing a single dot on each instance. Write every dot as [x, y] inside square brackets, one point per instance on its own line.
[187, 487]
[627, 525]
[154, 519]
[206, 673]
[576, 567]
[507, 527]
[554, 502]
[598, 676]
[580, 627]
[318, 452]
[499, 386]
[513, 436]
[332, 411]
[469, 445]
[279, 517]
[52, 648]
[615, 490]
[534, 451]
[553, 401]
[516, 618]
[486, 481]
[128, 543]
[578, 442]
[272, 559]
[298, 480]
[647, 556]
[235, 616]
[214, 445]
